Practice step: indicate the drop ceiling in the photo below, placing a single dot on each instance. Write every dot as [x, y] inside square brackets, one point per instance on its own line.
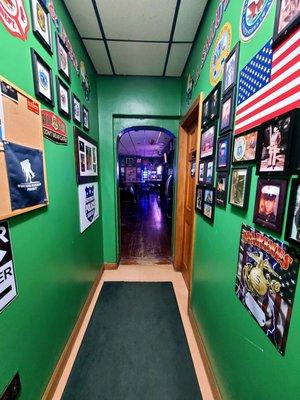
[143, 143]
[137, 37]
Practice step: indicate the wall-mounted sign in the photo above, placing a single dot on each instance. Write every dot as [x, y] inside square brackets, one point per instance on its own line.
[54, 127]
[14, 18]
[266, 281]
[8, 287]
[88, 204]
[253, 14]
[220, 52]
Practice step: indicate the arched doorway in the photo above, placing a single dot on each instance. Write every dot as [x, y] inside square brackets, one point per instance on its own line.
[145, 166]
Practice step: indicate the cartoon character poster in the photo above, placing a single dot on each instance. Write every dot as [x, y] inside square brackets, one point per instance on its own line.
[266, 282]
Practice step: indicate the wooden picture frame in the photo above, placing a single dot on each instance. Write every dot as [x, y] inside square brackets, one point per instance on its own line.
[292, 230]
[224, 152]
[76, 109]
[63, 61]
[285, 22]
[199, 199]
[270, 203]
[41, 23]
[86, 157]
[85, 118]
[208, 141]
[227, 112]
[231, 69]
[222, 188]
[63, 98]
[43, 79]
[240, 187]
[245, 145]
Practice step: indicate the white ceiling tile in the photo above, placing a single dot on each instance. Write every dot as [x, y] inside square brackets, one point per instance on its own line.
[137, 20]
[177, 59]
[138, 58]
[84, 17]
[189, 17]
[97, 52]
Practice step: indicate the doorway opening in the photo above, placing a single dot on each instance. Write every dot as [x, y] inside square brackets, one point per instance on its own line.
[146, 157]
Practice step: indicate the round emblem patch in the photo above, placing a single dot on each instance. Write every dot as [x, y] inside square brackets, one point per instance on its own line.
[220, 52]
[253, 15]
[43, 79]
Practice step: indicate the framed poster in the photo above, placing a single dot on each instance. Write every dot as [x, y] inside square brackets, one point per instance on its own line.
[76, 109]
[269, 203]
[287, 18]
[231, 69]
[41, 25]
[43, 81]
[224, 153]
[88, 198]
[63, 98]
[208, 140]
[266, 279]
[227, 112]
[245, 147]
[240, 187]
[63, 62]
[292, 232]
[222, 188]
[86, 157]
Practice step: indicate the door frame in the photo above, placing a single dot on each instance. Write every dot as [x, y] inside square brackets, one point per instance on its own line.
[193, 114]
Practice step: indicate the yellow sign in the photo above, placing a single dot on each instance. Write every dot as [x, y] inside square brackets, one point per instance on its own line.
[220, 52]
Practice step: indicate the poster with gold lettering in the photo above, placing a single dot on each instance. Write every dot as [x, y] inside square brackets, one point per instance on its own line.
[266, 282]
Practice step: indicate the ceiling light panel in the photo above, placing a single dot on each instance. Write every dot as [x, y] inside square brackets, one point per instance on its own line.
[189, 17]
[83, 15]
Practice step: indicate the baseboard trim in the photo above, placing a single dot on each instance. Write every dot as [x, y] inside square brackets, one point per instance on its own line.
[110, 266]
[206, 362]
[62, 362]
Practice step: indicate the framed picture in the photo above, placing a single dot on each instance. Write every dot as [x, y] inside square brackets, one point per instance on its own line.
[43, 80]
[86, 157]
[209, 172]
[287, 18]
[240, 187]
[224, 153]
[63, 62]
[269, 203]
[222, 188]
[199, 199]
[208, 140]
[274, 146]
[227, 112]
[245, 147]
[209, 203]
[292, 232]
[41, 25]
[201, 171]
[231, 68]
[215, 101]
[76, 109]
[63, 97]
[85, 118]
[206, 111]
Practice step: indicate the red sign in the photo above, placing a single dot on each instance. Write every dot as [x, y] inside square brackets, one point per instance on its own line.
[54, 127]
[33, 106]
[14, 18]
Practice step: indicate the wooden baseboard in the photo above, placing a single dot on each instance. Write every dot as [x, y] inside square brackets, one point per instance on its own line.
[59, 369]
[206, 362]
[110, 266]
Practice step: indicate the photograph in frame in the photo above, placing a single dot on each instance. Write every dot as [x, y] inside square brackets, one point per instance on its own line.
[41, 24]
[287, 18]
[222, 188]
[209, 172]
[206, 111]
[76, 109]
[227, 112]
[63, 97]
[239, 187]
[208, 140]
[231, 69]
[199, 199]
[292, 233]
[224, 153]
[85, 118]
[215, 97]
[63, 61]
[245, 147]
[43, 79]
[209, 203]
[86, 157]
[201, 171]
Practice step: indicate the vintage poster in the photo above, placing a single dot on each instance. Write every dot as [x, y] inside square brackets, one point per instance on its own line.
[25, 171]
[88, 204]
[266, 282]
[8, 287]
[54, 128]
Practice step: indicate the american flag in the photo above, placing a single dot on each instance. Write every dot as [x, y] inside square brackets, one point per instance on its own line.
[269, 85]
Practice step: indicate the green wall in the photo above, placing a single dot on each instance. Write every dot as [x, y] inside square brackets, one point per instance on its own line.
[125, 102]
[246, 364]
[55, 265]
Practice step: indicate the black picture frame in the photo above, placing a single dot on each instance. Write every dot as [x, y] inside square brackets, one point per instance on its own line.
[245, 145]
[268, 191]
[66, 92]
[240, 187]
[208, 141]
[206, 111]
[199, 199]
[282, 30]
[292, 230]
[86, 157]
[224, 152]
[215, 98]
[201, 172]
[41, 24]
[281, 139]
[227, 120]
[209, 205]
[43, 79]
[63, 60]
[85, 118]
[229, 75]
[76, 107]
[222, 188]
[209, 172]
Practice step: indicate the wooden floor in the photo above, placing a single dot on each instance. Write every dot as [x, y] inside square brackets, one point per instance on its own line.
[145, 233]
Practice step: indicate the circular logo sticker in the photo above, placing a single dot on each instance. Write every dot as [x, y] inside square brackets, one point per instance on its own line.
[253, 15]
[43, 79]
[220, 52]
[240, 148]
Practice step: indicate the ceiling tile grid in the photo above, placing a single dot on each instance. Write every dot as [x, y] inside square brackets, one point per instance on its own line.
[137, 37]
